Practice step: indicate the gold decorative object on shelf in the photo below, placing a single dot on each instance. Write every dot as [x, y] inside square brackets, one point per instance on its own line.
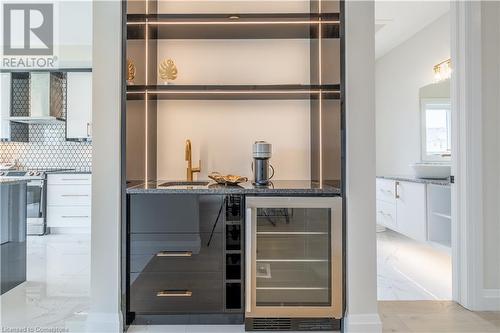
[130, 71]
[167, 70]
[227, 179]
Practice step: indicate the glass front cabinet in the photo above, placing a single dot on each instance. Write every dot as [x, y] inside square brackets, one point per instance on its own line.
[294, 257]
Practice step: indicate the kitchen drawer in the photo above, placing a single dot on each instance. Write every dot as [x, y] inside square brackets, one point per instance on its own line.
[69, 195]
[186, 292]
[175, 253]
[177, 213]
[386, 190]
[386, 214]
[69, 179]
[68, 216]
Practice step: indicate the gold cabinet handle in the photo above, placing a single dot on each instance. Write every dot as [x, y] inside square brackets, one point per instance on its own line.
[174, 293]
[174, 254]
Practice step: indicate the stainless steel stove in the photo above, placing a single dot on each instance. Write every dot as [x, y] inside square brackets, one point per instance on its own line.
[36, 198]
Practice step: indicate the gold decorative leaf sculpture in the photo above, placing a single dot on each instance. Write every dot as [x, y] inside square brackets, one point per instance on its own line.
[168, 70]
[130, 71]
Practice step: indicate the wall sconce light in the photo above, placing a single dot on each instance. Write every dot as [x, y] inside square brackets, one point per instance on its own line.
[442, 71]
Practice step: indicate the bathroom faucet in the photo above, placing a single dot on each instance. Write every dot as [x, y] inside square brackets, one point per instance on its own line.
[190, 169]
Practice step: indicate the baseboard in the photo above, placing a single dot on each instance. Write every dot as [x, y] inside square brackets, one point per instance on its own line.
[490, 300]
[104, 322]
[362, 323]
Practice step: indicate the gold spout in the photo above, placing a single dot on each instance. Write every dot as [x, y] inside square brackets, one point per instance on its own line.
[188, 156]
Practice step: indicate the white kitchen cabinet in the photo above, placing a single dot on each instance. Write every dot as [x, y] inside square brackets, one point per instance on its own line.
[401, 206]
[69, 203]
[79, 106]
[5, 86]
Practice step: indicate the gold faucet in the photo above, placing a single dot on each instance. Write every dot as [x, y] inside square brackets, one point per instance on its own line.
[190, 169]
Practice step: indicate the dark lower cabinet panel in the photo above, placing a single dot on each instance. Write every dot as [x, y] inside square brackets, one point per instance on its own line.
[164, 213]
[176, 253]
[176, 293]
[175, 213]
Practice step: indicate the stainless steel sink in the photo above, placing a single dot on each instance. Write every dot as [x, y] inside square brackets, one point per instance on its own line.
[183, 184]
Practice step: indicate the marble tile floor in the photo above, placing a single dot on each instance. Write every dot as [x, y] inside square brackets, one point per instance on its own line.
[56, 293]
[409, 270]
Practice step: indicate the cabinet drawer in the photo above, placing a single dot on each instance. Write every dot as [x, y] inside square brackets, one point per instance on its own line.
[69, 179]
[187, 292]
[386, 190]
[77, 216]
[184, 213]
[386, 214]
[69, 195]
[175, 253]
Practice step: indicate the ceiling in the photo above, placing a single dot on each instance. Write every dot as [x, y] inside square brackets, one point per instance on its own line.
[397, 21]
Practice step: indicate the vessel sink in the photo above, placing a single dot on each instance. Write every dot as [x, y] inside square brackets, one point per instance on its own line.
[431, 170]
[185, 183]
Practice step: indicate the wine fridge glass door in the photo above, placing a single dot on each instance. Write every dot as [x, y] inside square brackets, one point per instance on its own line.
[295, 256]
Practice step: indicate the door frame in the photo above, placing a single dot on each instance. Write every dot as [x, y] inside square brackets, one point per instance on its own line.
[467, 39]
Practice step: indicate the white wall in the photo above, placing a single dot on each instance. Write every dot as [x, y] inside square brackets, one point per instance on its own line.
[398, 77]
[222, 132]
[362, 313]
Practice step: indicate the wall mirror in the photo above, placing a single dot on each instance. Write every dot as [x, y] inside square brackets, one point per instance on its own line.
[435, 108]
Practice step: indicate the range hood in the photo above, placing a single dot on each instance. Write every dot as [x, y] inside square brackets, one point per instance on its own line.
[42, 110]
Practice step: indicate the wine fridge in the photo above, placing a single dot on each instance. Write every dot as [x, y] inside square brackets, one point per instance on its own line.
[293, 259]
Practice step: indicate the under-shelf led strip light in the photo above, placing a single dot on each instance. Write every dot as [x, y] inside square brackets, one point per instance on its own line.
[186, 92]
[320, 51]
[233, 22]
[146, 116]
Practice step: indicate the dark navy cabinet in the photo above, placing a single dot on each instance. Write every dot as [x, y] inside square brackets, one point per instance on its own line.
[12, 235]
[177, 259]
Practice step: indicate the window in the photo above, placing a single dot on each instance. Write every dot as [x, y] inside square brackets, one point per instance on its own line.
[436, 130]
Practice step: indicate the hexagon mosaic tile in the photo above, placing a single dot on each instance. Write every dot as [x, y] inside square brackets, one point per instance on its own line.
[47, 148]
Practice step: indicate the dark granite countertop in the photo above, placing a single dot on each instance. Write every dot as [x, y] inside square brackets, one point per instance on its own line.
[12, 181]
[278, 187]
[414, 179]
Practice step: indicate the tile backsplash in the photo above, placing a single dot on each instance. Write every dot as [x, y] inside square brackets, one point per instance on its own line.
[48, 148]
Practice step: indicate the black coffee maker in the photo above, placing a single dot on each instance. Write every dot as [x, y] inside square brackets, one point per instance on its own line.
[262, 152]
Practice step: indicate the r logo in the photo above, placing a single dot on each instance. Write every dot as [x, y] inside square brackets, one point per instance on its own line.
[28, 29]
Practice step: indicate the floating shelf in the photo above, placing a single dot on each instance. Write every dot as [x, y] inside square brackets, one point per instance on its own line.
[241, 26]
[232, 92]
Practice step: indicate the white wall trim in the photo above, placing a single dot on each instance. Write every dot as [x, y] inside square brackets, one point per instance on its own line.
[363, 323]
[104, 322]
[466, 147]
[361, 290]
[490, 300]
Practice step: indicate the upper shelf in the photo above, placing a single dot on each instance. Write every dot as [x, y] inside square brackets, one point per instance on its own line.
[241, 26]
[232, 92]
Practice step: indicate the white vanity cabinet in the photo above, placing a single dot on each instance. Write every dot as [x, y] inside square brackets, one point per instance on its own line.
[79, 106]
[411, 210]
[401, 206]
[5, 92]
[69, 202]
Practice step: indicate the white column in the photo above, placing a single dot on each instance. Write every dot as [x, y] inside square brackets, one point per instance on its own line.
[104, 313]
[362, 313]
